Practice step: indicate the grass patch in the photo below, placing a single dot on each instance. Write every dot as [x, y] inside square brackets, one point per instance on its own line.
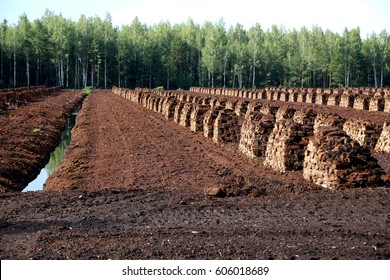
[160, 88]
[87, 90]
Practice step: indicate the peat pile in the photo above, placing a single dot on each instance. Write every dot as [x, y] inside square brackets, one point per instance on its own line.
[279, 141]
[13, 98]
[334, 160]
[29, 134]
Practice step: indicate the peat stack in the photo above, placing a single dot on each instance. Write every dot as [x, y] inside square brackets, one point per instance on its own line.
[208, 121]
[185, 115]
[241, 107]
[334, 99]
[226, 127]
[383, 144]
[362, 102]
[311, 97]
[284, 96]
[253, 107]
[322, 98]
[334, 160]
[231, 104]
[286, 145]
[178, 108]
[168, 109]
[269, 109]
[305, 117]
[364, 132]
[255, 132]
[377, 103]
[197, 117]
[347, 99]
[285, 112]
[324, 119]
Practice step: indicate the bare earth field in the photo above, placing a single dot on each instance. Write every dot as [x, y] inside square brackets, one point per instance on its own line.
[136, 186]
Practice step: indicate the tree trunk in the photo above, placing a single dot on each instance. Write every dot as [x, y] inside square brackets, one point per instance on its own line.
[382, 70]
[67, 72]
[150, 75]
[199, 68]
[58, 75]
[2, 63]
[224, 73]
[168, 78]
[105, 70]
[97, 77]
[119, 73]
[375, 77]
[37, 73]
[86, 72]
[84, 76]
[314, 77]
[239, 76]
[27, 71]
[76, 74]
[62, 73]
[92, 74]
[254, 75]
[14, 68]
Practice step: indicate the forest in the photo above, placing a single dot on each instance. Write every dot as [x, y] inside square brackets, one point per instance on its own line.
[55, 51]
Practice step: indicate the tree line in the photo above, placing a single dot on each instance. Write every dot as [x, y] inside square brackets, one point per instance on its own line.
[55, 51]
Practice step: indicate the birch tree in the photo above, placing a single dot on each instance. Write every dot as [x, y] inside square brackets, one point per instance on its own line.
[212, 52]
[255, 48]
[3, 51]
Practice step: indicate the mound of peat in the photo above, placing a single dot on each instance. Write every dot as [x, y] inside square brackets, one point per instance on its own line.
[29, 134]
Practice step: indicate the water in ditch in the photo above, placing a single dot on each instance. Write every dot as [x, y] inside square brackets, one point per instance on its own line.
[55, 157]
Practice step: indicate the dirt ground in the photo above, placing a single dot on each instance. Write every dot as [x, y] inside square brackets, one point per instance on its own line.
[29, 134]
[135, 186]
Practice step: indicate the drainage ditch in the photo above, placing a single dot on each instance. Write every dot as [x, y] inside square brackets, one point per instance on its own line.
[56, 156]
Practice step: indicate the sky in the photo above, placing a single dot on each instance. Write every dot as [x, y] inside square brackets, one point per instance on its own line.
[369, 15]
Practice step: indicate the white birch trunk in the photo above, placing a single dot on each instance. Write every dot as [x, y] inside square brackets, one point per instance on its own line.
[92, 73]
[67, 72]
[62, 72]
[240, 80]
[382, 70]
[27, 71]
[375, 75]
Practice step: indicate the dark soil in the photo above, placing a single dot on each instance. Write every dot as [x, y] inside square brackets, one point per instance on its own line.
[136, 186]
[29, 134]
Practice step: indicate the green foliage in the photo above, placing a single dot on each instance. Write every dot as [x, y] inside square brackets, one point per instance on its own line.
[160, 88]
[91, 52]
[87, 90]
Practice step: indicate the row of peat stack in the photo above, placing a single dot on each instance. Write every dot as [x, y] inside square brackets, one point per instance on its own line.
[321, 146]
[372, 99]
